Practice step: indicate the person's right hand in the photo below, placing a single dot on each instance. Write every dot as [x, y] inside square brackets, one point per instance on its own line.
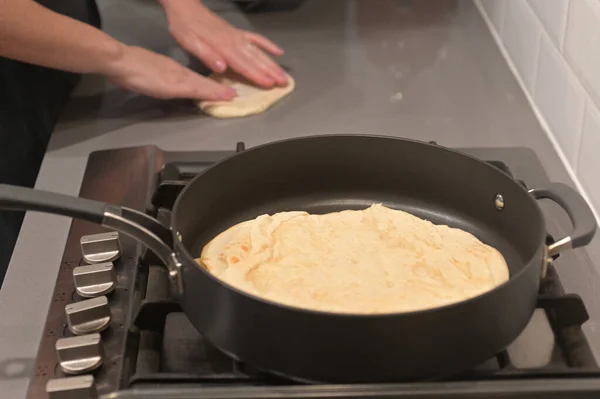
[156, 75]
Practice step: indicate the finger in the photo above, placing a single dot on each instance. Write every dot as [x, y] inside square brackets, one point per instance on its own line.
[256, 66]
[198, 87]
[205, 53]
[244, 63]
[263, 43]
[268, 66]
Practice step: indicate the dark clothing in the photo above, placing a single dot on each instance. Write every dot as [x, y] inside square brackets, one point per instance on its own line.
[31, 99]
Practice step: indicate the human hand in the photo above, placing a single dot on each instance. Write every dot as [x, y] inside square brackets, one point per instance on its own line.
[155, 75]
[220, 45]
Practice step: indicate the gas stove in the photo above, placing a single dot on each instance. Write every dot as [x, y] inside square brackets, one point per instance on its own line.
[114, 330]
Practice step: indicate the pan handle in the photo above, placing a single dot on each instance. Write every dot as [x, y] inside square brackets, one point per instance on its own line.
[137, 225]
[580, 213]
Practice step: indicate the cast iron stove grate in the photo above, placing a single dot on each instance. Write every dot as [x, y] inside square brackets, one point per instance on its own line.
[164, 350]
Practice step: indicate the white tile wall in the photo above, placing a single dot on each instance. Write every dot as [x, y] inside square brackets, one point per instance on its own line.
[582, 43]
[560, 98]
[553, 15]
[522, 35]
[555, 48]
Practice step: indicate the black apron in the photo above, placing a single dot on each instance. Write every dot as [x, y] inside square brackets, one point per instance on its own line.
[31, 99]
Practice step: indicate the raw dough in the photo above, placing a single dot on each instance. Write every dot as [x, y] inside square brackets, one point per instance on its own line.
[376, 260]
[250, 100]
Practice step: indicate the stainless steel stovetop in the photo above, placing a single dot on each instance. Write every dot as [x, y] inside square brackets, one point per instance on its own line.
[114, 330]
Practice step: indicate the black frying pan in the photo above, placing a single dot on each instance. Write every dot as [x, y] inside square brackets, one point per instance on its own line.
[331, 173]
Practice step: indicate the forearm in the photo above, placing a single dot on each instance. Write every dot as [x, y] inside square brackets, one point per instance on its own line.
[34, 34]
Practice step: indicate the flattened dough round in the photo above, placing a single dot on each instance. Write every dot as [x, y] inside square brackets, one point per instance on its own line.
[377, 260]
[251, 99]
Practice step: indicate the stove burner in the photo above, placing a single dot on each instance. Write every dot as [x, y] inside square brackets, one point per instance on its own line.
[150, 349]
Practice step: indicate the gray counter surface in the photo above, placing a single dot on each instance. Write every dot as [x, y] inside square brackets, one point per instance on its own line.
[430, 71]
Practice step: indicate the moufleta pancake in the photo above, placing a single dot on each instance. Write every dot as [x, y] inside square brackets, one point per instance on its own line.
[376, 260]
[250, 99]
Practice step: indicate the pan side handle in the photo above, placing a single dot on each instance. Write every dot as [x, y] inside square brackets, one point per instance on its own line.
[128, 221]
[580, 213]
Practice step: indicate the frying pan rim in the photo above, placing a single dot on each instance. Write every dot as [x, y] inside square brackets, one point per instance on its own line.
[182, 249]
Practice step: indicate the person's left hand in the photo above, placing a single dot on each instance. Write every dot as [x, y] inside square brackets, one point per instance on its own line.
[221, 46]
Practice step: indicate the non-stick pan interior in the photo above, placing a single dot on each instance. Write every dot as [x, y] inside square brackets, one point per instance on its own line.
[333, 173]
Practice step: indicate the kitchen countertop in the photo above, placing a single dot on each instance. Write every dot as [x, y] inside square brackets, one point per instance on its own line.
[427, 70]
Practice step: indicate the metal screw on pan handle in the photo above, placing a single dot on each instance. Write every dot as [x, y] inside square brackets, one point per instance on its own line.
[175, 274]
